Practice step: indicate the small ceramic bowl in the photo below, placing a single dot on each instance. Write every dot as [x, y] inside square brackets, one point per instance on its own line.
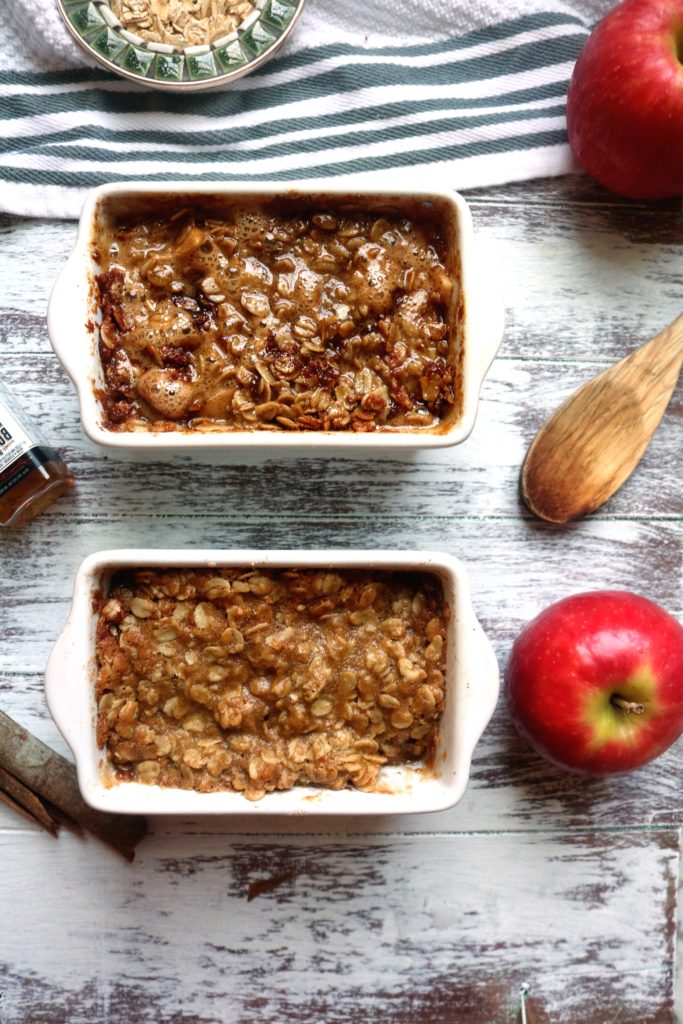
[99, 32]
[472, 683]
[475, 315]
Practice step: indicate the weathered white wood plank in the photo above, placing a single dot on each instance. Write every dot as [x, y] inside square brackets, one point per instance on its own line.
[516, 567]
[478, 478]
[585, 279]
[437, 928]
[678, 954]
[516, 570]
[511, 789]
[421, 929]
[571, 190]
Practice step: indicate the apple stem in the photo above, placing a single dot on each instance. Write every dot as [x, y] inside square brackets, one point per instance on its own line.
[629, 707]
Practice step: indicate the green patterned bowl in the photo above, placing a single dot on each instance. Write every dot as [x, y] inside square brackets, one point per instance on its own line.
[98, 31]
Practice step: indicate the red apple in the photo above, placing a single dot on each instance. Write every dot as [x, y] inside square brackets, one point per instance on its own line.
[625, 100]
[595, 682]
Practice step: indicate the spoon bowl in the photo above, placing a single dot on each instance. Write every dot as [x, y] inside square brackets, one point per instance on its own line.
[592, 444]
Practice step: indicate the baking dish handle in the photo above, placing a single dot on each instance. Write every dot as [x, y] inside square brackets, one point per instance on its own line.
[59, 672]
[66, 315]
[483, 684]
[490, 317]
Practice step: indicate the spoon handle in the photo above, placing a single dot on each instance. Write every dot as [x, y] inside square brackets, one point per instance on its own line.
[652, 370]
[668, 343]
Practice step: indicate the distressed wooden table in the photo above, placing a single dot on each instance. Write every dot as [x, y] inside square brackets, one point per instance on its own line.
[566, 884]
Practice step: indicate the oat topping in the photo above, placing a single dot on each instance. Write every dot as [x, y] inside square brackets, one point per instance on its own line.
[264, 319]
[261, 680]
[181, 22]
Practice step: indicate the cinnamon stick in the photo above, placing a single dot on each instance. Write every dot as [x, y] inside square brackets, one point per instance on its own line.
[9, 802]
[16, 793]
[52, 777]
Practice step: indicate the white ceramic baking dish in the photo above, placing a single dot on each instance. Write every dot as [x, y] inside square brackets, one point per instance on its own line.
[471, 692]
[73, 305]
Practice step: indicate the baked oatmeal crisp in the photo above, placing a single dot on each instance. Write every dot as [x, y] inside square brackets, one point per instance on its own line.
[268, 318]
[262, 680]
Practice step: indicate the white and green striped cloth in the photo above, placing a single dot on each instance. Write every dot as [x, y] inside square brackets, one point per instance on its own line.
[464, 92]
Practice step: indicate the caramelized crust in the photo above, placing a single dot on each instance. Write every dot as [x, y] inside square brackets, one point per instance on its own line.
[264, 319]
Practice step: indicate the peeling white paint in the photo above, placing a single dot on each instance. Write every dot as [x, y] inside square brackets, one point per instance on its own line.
[536, 875]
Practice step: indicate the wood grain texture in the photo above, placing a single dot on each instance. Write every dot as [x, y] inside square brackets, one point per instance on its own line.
[577, 291]
[573, 189]
[431, 930]
[516, 567]
[478, 478]
[536, 875]
[584, 279]
[510, 790]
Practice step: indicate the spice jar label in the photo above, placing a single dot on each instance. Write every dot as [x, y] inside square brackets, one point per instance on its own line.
[32, 474]
[14, 441]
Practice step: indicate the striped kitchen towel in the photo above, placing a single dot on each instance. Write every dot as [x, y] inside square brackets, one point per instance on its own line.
[465, 92]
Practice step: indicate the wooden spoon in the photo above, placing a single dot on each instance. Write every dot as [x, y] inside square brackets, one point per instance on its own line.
[592, 444]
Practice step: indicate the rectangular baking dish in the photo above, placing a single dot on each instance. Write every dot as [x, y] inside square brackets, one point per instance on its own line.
[73, 307]
[472, 683]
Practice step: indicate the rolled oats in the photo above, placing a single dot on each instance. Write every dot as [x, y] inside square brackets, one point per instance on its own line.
[181, 22]
[293, 695]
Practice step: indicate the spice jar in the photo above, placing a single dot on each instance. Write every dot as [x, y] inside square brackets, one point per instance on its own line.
[32, 475]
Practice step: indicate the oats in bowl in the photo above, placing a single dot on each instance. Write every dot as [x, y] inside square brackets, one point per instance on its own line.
[180, 45]
[181, 22]
[260, 680]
